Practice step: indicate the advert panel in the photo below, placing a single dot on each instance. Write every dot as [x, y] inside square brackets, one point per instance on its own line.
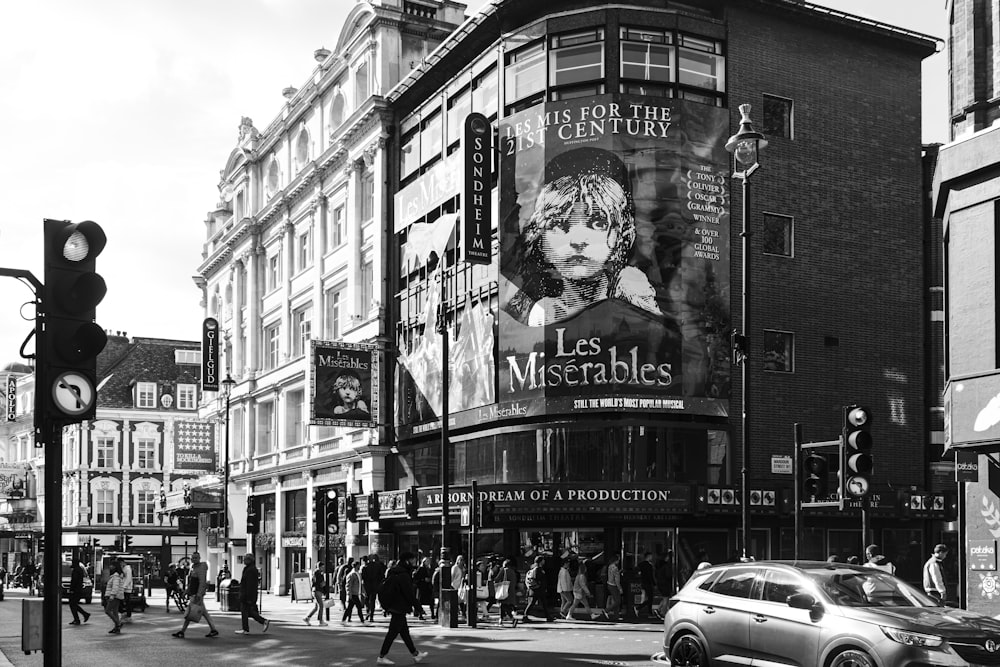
[344, 384]
[614, 258]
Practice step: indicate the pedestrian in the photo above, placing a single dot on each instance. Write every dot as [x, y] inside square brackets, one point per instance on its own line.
[614, 588]
[581, 592]
[128, 583]
[877, 560]
[222, 576]
[504, 586]
[197, 584]
[422, 584]
[114, 596]
[76, 576]
[371, 577]
[934, 584]
[353, 586]
[535, 582]
[397, 599]
[436, 583]
[171, 584]
[249, 584]
[664, 574]
[459, 573]
[3, 580]
[646, 582]
[564, 587]
[341, 579]
[318, 588]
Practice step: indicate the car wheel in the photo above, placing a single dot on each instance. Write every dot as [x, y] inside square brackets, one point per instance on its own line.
[688, 652]
[852, 658]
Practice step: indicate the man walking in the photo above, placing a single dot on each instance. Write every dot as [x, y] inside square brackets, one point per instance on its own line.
[934, 584]
[614, 589]
[535, 582]
[249, 584]
[341, 578]
[372, 576]
[76, 576]
[318, 588]
[127, 574]
[647, 581]
[197, 582]
[398, 599]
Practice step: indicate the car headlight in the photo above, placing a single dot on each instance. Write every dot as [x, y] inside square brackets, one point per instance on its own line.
[912, 638]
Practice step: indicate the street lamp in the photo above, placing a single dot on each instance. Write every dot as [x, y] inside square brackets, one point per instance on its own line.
[745, 146]
[227, 389]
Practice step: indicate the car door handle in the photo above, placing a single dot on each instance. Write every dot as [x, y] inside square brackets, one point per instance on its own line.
[759, 619]
[709, 610]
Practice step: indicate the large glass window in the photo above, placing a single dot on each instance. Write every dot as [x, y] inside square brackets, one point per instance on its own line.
[367, 279]
[296, 512]
[105, 452]
[430, 138]
[265, 427]
[777, 117]
[104, 505]
[145, 453]
[647, 55]
[779, 351]
[777, 235]
[524, 78]
[271, 346]
[700, 63]
[409, 154]
[576, 57]
[333, 304]
[295, 426]
[367, 197]
[145, 507]
[301, 330]
[459, 106]
[484, 93]
[187, 396]
[145, 395]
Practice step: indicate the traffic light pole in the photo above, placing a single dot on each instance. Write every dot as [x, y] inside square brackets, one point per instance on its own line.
[797, 487]
[52, 605]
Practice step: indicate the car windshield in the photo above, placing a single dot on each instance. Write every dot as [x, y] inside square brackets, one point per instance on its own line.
[866, 587]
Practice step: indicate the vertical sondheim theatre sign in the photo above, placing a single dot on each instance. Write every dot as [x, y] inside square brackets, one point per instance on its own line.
[477, 227]
[344, 384]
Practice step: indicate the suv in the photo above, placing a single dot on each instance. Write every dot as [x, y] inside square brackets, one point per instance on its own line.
[819, 614]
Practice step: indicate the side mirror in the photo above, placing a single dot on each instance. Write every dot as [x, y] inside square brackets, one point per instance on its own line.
[801, 601]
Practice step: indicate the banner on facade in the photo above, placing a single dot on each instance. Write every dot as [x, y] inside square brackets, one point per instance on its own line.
[12, 480]
[343, 384]
[11, 398]
[194, 446]
[210, 354]
[614, 257]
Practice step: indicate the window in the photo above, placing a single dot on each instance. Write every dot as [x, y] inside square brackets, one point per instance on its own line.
[242, 290]
[700, 64]
[301, 151]
[777, 119]
[190, 357]
[104, 505]
[576, 57]
[459, 107]
[367, 197]
[145, 506]
[265, 427]
[524, 76]
[301, 330]
[296, 512]
[737, 583]
[303, 250]
[236, 439]
[778, 585]
[295, 425]
[145, 453]
[105, 453]
[332, 309]
[367, 285]
[145, 395]
[273, 271]
[336, 112]
[361, 84]
[484, 93]
[273, 183]
[410, 153]
[777, 236]
[187, 396]
[647, 59]
[430, 138]
[271, 347]
[779, 351]
[335, 236]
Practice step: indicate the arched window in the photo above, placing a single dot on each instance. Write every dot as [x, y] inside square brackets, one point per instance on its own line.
[273, 182]
[301, 151]
[336, 112]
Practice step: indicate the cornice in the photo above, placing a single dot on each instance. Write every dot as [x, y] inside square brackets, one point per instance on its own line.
[350, 456]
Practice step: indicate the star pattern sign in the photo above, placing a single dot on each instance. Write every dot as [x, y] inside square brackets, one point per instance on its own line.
[194, 445]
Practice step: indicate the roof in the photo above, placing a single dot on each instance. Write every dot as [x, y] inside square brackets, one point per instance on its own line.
[124, 362]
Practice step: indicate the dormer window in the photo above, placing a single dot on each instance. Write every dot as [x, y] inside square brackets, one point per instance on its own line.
[145, 394]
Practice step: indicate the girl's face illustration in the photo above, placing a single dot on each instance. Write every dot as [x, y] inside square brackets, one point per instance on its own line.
[347, 395]
[579, 245]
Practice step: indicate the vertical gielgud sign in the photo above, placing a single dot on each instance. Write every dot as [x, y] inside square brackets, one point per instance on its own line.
[477, 226]
[210, 354]
[614, 257]
[343, 384]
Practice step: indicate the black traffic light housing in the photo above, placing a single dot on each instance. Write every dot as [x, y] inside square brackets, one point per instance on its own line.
[373, 506]
[412, 503]
[815, 469]
[332, 514]
[128, 542]
[253, 518]
[71, 340]
[486, 514]
[351, 507]
[856, 463]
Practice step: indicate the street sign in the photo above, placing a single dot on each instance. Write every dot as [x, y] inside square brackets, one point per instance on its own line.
[466, 516]
[781, 464]
[73, 393]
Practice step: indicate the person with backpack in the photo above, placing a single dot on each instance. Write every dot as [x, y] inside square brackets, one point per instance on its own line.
[318, 588]
[535, 582]
[396, 596]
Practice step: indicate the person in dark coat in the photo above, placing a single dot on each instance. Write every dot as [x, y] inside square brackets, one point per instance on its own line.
[372, 575]
[647, 580]
[422, 583]
[248, 596]
[77, 573]
[398, 599]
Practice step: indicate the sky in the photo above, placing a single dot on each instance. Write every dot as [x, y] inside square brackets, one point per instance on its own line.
[124, 112]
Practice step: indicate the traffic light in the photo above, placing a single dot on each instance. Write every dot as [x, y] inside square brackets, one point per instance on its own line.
[253, 519]
[118, 543]
[412, 503]
[814, 478]
[486, 510]
[71, 340]
[351, 508]
[332, 516]
[373, 508]
[128, 542]
[96, 543]
[855, 453]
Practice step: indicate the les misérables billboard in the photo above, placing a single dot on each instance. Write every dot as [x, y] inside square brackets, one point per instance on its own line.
[614, 258]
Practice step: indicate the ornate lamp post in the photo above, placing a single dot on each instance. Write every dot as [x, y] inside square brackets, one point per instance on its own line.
[745, 146]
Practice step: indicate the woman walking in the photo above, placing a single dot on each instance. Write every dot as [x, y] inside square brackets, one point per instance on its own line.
[114, 597]
[564, 586]
[352, 585]
[422, 582]
[581, 592]
[458, 578]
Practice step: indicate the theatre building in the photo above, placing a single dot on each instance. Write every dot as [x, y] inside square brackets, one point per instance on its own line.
[590, 393]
